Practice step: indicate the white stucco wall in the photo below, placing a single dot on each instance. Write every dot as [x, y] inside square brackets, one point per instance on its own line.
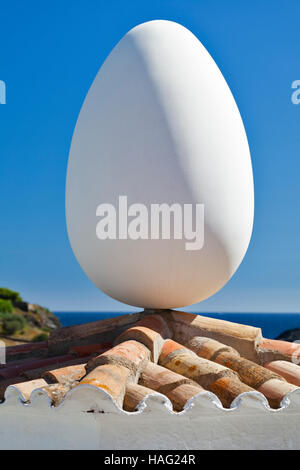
[204, 424]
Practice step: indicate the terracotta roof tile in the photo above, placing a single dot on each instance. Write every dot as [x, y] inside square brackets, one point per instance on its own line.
[187, 363]
[170, 347]
[227, 389]
[25, 388]
[248, 371]
[151, 331]
[276, 349]
[161, 379]
[180, 394]
[65, 375]
[185, 326]
[112, 378]
[204, 354]
[61, 340]
[288, 370]
[22, 351]
[33, 374]
[134, 394]
[208, 348]
[130, 354]
[176, 387]
[275, 390]
[15, 370]
[4, 384]
[18, 362]
[56, 392]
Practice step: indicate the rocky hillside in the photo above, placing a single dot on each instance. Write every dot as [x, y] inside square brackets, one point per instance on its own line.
[290, 335]
[24, 321]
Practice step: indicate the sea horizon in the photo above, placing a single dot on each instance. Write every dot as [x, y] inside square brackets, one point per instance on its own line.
[272, 324]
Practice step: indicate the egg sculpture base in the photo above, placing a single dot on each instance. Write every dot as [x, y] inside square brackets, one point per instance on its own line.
[128, 399]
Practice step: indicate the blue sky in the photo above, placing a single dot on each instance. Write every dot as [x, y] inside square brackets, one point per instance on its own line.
[50, 54]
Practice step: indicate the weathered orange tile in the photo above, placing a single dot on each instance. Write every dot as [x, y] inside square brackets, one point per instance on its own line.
[170, 347]
[249, 372]
[175, 386]
[155, 323]
[289, 351]
[65, 375]
[158, 378]
[62, 339]
[5, 383]
[130, 354]
[56, 392]
[187, 363]
[28, 350]
[33, 374]
[152, 340]
[182, 393]
[221, 380]
[245, 339]
[150, 331]
[227, 389]
[209, 348]
[134, 395]
[112, 378]
[201, 363]
[13, 371]
[275, 390]
[27, 387]
[288, 370]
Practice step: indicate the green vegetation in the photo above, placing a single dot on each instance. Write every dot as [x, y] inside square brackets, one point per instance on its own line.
[8, 294]
[11, 323]
[6, 306]
[22, 321]
[40, 337]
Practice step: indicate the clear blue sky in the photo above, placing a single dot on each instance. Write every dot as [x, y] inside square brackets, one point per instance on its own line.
[50, 54]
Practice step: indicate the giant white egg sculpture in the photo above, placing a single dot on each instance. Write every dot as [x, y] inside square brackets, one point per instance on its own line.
[159, 125]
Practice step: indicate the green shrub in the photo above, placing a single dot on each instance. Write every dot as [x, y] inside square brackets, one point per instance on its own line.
[11, 323]
[40, 337]
[10, 327]
[8, 294]
[46, 329]
[6, 306]
[5, 316]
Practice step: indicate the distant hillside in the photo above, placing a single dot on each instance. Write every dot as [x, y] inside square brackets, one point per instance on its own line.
[22, 321]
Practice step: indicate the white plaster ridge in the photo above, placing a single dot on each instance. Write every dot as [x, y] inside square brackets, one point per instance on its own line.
[88, 418]
[90, 394]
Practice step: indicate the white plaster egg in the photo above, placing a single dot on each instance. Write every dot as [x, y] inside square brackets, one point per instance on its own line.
[159, 125]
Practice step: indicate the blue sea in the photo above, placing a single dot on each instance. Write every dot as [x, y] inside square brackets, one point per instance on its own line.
[272, 324]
